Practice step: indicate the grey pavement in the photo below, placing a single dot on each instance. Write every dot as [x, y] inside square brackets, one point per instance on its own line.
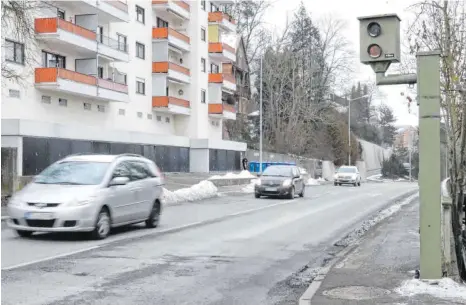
[386, 257]
[254, 258]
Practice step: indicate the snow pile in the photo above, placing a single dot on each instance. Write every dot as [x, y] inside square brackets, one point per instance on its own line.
[375, 178]
[303, 171]
[243, 175]
[366, 225]
[312, 181]
[203, 190]
[250, 187]
[320, 179]
[445, 288]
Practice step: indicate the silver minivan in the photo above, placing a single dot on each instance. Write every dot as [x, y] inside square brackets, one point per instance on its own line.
[89, 193]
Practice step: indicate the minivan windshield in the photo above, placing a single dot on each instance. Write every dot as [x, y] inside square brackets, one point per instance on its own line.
[280, 171]
[347, 170]
[73, 173]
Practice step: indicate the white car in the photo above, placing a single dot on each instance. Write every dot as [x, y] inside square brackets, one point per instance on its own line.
[89, 193]
[347, 175]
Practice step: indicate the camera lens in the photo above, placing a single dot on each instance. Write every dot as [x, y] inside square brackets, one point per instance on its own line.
[374, 29]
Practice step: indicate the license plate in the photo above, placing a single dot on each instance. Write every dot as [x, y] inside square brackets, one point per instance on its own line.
[39, 216]
[270, 189]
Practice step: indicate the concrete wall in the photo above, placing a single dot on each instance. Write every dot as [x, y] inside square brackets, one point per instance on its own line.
[373, 155]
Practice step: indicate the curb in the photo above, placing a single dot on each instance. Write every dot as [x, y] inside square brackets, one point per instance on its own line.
[307, 296]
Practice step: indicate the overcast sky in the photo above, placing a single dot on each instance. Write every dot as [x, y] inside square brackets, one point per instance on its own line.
[349, 10]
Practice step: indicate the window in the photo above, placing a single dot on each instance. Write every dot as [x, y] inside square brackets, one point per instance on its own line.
[214, 68]
[202, 96]
[140, 86]
[74, 173]
[202, 64]
[14, 93]
[87, 106]
[122, 43]
[167, 119]
[139, 114]
[203, 5]
[213, 7]
[121, 111]
[46, 99]
[14, 51]
[101, 108]
[100, 72]
[161, 23]
[50, 60]
[61, 14]
[63, 102]
[121, 170]
[159, 118]
[140, 14]
[100, 34]
[139, 170]
[149, 116]
[140, 50]
[202, 34]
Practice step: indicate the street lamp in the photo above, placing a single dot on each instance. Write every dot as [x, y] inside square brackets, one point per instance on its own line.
[349, 124]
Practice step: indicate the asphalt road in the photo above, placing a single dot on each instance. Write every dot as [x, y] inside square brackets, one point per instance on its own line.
[251, 258]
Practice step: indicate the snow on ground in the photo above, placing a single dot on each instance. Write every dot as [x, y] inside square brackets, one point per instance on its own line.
[375, 178]
[445, 288]
[303, 171]
[243, 174]
[250, 187]
[366, 225]
[203, 190]
[312, 181]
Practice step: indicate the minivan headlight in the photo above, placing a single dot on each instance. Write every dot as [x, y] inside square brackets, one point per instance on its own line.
[83, 201]
[14, 201]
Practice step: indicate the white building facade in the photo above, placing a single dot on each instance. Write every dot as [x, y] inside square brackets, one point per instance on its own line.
[123, 77]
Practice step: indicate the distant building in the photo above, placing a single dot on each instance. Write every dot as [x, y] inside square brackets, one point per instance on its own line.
[405, 136]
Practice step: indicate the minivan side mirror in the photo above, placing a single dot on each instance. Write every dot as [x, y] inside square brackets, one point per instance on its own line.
[119, 181]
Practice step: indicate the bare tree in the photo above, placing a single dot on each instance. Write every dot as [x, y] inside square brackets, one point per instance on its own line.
[18, 27]
[441, 25]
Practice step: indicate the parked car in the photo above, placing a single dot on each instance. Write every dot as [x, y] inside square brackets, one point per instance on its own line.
[89, 193]
[347, 175]
[280, 180]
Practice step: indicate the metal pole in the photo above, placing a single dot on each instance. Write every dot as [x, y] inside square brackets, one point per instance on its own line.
[260, 119]
[428, 65]
[349, 132]
[410, 148]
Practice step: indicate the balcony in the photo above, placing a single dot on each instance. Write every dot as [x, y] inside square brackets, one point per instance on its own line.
[180, 9]
[174, 72]
[222, 52]
[225, 21]
[74, 83]
[227, 81]
[171, 105]
[76, 40]
[222, 111]
[111, 10]
[174, 38]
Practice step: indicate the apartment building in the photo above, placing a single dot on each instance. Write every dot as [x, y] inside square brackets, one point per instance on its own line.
[405, 137]
[145, 77]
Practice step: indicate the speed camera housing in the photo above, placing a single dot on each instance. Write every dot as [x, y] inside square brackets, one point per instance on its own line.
[379, 39]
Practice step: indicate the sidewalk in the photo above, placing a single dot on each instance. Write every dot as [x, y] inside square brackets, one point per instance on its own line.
[385, 259]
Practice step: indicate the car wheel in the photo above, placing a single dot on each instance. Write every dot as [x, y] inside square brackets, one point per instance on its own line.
[359, 184]
[302, 193]
[335, 184]
[291, 194]
[23, 233]
[257, 195]
[102, 225]
[154, 216]
[355, 184]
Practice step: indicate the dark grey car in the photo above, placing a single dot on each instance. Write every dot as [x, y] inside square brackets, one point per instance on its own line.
[280, 180]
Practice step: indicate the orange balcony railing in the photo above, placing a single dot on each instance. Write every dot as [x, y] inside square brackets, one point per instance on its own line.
[103, 83]
[51, 25]
[164, 101]
[163, 33]
[217, 47]
[220, 16]
[164, 66]
[220, 108]
[221, 77]
[182, 4]
[51, 75]
[119, 4]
